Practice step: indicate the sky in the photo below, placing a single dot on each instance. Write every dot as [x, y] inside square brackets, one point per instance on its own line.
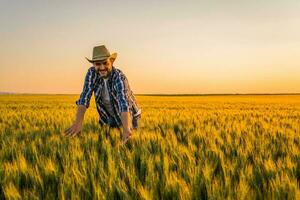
[181, 47]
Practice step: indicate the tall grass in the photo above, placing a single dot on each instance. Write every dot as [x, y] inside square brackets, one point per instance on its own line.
[199, 147]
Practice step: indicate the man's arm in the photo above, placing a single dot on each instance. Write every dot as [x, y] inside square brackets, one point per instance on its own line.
[77, 125]
[87, 90]
[122, 96]
[82, 104]
[126, 123]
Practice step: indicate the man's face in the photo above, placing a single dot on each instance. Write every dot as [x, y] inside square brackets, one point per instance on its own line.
[103, 67]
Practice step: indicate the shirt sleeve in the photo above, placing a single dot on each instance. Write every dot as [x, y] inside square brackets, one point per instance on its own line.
[87, 90]
[122, 88]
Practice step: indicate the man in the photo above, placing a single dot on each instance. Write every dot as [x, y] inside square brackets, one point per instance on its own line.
[115, 102]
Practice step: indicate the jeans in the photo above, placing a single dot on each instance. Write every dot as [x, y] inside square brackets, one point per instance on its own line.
[135, 122]
[112, 123]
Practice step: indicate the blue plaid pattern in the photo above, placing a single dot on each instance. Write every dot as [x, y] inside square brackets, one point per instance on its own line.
[121, 96]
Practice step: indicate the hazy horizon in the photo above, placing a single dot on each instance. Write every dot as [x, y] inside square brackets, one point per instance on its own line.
[169, 47]
[155, 94]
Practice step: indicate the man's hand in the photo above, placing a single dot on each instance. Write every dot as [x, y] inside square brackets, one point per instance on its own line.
[126, 135]
[73, 130]
[77, 125]
[126, 119]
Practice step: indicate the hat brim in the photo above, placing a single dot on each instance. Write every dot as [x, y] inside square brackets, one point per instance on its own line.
[113, 56]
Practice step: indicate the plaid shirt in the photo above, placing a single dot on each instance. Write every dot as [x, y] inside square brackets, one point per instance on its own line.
[121, 96]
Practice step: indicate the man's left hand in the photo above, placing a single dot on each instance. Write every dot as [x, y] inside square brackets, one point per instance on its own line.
[126, 135]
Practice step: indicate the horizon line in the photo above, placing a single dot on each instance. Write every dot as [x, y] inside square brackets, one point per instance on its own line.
[161, 94]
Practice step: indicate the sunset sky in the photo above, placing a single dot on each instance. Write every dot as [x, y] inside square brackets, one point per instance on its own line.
[163, 46]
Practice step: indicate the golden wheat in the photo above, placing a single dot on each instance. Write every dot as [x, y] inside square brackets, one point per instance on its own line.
[187, 147]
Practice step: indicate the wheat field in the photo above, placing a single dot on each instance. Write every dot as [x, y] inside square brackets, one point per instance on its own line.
[187, 147]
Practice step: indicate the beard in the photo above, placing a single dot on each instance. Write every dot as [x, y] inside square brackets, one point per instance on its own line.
[104, 73]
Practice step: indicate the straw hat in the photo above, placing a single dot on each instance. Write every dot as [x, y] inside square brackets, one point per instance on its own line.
[101, 53]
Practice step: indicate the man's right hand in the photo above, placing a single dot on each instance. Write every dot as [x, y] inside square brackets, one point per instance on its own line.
[73, 130]
[77, 125]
